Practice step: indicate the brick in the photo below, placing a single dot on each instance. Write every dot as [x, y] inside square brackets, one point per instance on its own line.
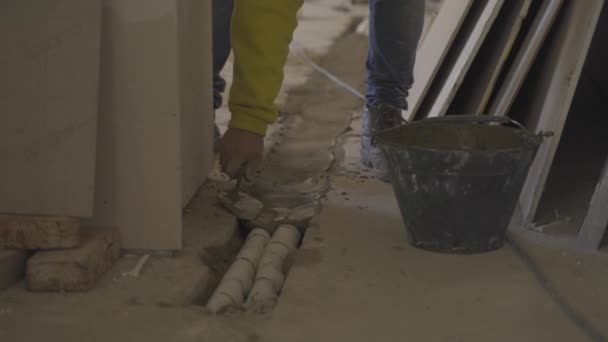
[12, 266]
[39, 232]
[76, 269]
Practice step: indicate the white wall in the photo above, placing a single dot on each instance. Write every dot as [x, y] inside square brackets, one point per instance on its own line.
[49, 62]
[156, 122]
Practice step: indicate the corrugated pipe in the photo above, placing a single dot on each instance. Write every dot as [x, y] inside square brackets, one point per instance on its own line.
[236, 283]
[272, 269]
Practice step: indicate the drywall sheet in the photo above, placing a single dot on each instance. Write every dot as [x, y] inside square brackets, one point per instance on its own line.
[478, 84]
[519, 69]
[196, 96]
[458, 72]
[451, 57]
[155, 119]
[580, 158]
[49, 99]
[544, 101]
[577, 208]
[595, 224]
[434, 48]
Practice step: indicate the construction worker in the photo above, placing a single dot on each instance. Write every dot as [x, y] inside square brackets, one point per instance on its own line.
[261, 32]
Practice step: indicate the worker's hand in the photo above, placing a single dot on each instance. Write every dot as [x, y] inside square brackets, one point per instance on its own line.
[238, 147]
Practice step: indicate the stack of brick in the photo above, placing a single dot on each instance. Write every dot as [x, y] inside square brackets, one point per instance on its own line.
[54, 253]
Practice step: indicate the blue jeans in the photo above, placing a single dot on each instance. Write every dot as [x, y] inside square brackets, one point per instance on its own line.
[395, 27]
[222, 15]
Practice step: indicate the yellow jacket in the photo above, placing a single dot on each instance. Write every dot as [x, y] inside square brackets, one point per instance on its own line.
[261, 33]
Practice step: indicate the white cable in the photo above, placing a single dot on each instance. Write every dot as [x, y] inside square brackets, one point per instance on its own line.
[299, 50]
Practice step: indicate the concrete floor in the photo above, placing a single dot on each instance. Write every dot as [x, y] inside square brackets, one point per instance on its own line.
[159, 305]
[355, 278]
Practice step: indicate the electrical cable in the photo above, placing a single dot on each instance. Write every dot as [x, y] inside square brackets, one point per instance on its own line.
[299, 50]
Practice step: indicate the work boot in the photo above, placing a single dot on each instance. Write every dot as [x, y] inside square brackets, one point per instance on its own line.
[376, 119]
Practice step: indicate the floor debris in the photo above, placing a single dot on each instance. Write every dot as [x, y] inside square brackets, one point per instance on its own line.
[136, 271]
[76, 269]
[245, 207]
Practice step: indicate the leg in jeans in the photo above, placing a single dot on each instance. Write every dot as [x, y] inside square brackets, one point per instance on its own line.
[394, 31]
[222, 15]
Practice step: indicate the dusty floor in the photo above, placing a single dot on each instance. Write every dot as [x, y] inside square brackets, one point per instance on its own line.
[355, 278]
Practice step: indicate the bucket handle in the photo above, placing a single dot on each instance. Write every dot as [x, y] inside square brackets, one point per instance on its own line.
[482, 119]
[487, 119]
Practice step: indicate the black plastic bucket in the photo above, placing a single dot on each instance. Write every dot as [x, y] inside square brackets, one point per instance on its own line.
[457, 179]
